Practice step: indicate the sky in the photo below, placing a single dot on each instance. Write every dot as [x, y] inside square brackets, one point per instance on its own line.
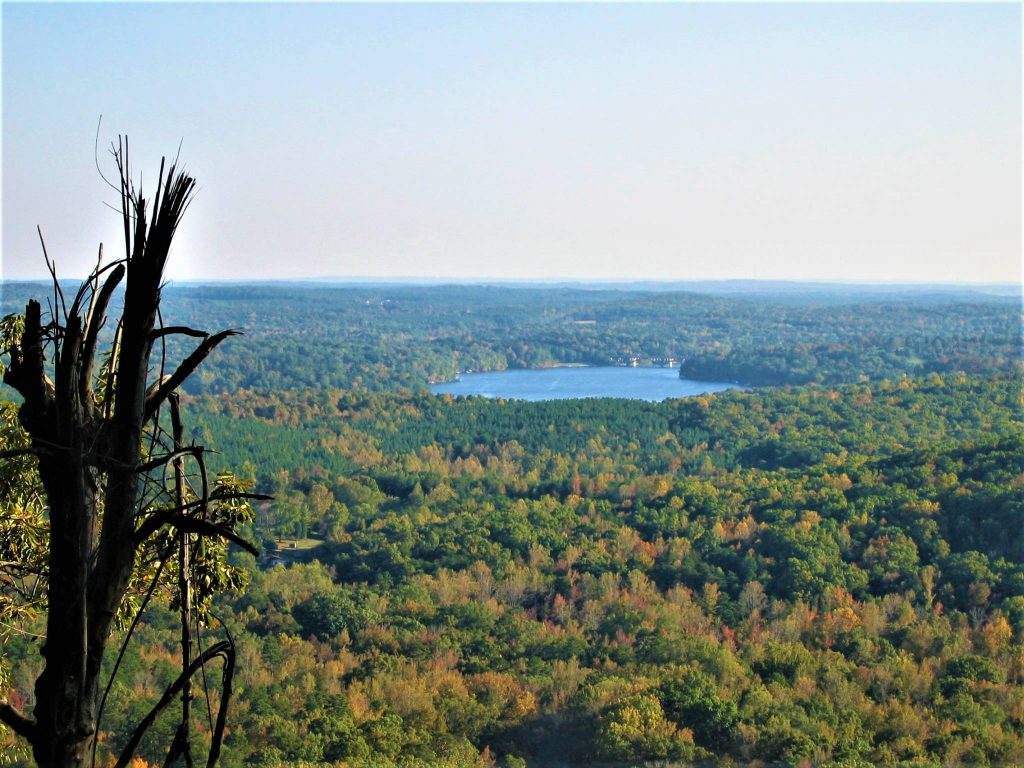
[846, 142]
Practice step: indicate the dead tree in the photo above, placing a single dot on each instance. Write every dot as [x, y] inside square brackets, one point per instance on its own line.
[95, 428]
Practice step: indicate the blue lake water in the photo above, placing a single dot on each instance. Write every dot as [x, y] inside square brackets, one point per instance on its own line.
[652, 384]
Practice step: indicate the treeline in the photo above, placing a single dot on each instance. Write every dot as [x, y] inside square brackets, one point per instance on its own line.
[405, 337]
[401, 337]
[828, 576]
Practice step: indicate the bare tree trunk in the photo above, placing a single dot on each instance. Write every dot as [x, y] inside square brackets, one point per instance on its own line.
[91, 459]
[66, 690]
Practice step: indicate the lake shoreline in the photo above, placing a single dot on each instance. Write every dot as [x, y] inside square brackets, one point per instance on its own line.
[545, 367]
[569, 382]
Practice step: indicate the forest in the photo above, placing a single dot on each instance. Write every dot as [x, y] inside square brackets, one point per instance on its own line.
[384, 338]
[825, 569]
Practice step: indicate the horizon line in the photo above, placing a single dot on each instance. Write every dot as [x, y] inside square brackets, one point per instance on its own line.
[481, 280]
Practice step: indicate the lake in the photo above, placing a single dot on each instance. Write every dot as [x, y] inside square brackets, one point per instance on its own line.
[652, 384]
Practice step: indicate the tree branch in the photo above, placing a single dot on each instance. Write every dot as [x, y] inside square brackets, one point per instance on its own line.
[222, 648]
[175, 518]
[17, 722]
[188, 365]
[27, 374]
[206, 528]
[225, 698]
[178, 329]
[195, 450]
[97, 312]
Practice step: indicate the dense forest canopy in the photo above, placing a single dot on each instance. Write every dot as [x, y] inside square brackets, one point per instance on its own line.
[400, 336]
[826, 571]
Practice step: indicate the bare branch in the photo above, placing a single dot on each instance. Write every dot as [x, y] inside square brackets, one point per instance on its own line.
[188, 365]
[52, 267]
[225, 697]
[192, 525]
[195, 450]
[115, 352]
[96, 156]
[27, 373]
[124, 643]
[178, 329]
[175, 515]
[222, 648]
[17, 722]
[178, 432]
[93, 324]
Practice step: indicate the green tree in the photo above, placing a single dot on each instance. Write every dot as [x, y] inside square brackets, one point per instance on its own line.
[691, 700]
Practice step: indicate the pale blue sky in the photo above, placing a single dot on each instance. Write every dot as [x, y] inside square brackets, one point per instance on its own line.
[845, 142]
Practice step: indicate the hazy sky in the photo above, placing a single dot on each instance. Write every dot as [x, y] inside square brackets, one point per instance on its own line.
[846, 141]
